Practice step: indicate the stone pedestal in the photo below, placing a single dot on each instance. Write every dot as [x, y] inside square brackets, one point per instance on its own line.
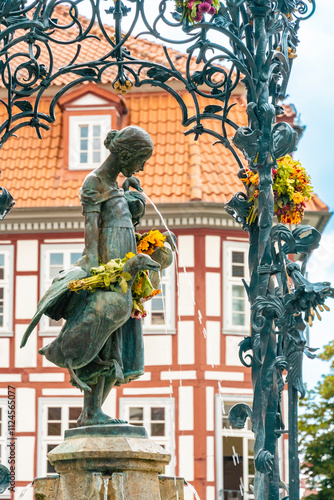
[108, 463]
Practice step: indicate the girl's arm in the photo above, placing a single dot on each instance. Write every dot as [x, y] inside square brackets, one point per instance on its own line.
[92, 239]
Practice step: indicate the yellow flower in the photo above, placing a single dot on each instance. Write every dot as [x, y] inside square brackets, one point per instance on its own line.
[252, 177]
[129, 255]
[150, 241]
[297, 197]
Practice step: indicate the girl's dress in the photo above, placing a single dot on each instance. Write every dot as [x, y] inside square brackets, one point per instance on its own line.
[118, 354]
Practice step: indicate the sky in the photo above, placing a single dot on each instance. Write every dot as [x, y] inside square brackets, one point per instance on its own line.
[310, 90]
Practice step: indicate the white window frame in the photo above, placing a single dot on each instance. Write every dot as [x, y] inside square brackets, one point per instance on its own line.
[75, 121]
[7, 283]
[4, 441]
[246, 434]
[228, 282]
[43, 439]
[147, 403]
[46, 249]
[169, 302]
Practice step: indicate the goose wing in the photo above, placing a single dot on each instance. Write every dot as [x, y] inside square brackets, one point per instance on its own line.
[55, 300]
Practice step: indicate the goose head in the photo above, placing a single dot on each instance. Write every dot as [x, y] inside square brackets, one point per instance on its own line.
[140, 262]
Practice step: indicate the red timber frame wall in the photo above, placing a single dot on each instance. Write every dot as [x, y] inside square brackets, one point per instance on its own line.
[192, 380]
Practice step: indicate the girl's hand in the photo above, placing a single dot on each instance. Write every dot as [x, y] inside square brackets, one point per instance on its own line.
[133, 182]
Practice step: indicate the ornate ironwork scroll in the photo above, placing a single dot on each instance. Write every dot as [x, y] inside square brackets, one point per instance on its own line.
[247, 42]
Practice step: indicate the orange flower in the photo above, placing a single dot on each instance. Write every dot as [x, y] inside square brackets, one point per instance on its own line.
[150, 241]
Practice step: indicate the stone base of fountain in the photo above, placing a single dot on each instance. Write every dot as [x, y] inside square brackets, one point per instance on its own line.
[111, 462]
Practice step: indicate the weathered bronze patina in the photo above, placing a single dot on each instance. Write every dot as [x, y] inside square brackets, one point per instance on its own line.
[100, 344]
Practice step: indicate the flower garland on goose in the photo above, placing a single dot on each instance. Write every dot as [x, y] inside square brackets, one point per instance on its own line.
[109, 275]
[291, 186]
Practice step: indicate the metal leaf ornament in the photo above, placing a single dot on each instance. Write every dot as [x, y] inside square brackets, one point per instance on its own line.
[284, 140]
[238, 415]
[307, 239]
[161, 75]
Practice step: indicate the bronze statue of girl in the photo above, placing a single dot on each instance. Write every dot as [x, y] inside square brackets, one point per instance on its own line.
[98, 353]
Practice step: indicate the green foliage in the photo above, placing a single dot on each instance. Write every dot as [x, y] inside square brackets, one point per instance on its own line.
[316, 427]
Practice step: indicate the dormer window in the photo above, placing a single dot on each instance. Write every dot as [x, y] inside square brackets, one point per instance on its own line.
[89, 114]
[87, 134]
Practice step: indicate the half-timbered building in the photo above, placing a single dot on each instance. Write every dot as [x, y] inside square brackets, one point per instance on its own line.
[193, 374]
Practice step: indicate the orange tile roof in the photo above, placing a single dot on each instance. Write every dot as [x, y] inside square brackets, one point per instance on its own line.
[180, 169]
[33, 170]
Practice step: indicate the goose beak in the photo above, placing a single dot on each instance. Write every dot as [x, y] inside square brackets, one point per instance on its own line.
[153, 266]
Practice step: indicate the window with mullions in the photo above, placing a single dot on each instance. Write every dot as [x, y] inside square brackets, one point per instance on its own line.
[235, 456]
[86, 141]
[56, 418]
[161, 309]
[6, 289]
[156, 415]
[90, 144]
[55, 259]
[236, 307]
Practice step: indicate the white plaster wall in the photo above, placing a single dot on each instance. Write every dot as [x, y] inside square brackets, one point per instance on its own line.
[29, 495]
[144, 378]
[62, 392]
[210, 408]
[25, 410]
[186, 457]
[210, 459]
[186, 408]
[26, 296]
[4, 353]
[232, 350]
[237, 376]
[212, 294]
[47, 377]
[213, 342]
[286, 459]
[46, 362]
[109, 406]
[27, 356]
[89, 100]
[157, 350]
[186, 288]
[285, 409]
[10, 377]
[210, 493]
[188, 495]
[212, 251]
[178, 375]
[147, 391]
[186, 343]
[186, 247]
[27, 255]
[25, 447]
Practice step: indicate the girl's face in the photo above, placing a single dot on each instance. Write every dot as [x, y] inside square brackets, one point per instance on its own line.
[135, 164]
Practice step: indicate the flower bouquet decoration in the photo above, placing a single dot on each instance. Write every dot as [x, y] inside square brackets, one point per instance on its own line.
[193, 10]
[148, 242]
[111, 277]
[291, 186]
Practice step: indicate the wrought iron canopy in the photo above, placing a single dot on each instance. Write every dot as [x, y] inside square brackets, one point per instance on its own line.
[241, 42]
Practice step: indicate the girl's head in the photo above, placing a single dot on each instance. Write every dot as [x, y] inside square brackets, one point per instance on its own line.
[132, 145]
